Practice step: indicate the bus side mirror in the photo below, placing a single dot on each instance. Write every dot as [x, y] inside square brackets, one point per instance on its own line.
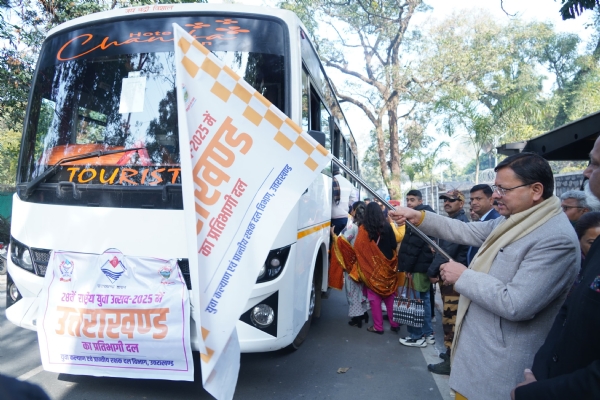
[318, 136]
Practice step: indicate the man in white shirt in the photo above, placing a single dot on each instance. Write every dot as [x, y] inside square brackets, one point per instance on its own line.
[340, 206]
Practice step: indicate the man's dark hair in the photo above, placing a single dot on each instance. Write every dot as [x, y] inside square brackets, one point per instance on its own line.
[374, 221]
[530, 168]
[486, 189]
[416, 193]
[587, 221]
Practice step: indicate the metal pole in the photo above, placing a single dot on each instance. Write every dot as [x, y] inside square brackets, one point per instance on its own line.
[389, 206]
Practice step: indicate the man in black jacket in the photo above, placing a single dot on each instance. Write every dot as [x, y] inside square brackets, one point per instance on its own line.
[567, 366]
[454, 201]
[415, 258]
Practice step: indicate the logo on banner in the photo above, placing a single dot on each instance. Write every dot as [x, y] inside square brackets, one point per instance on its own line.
[66, 270]
[165, 272]
[186, 96]
[113, 269]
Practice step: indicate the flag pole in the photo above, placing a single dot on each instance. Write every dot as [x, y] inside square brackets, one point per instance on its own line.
[389, 206]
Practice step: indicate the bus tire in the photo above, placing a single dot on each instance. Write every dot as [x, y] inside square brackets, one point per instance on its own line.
[312, 306]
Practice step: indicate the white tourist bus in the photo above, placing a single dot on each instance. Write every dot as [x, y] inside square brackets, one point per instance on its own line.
[131, 200]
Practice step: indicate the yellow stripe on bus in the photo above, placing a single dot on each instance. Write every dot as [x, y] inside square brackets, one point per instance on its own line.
[313, 229]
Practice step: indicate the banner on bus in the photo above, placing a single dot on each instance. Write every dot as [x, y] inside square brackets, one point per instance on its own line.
[115, 315]
[248, 166]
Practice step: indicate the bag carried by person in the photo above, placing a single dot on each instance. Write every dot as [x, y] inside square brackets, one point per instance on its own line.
[409, 311]
[336, 191]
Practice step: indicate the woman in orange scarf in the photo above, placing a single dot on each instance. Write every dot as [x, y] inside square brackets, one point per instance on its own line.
[375, 248]
[343, 259]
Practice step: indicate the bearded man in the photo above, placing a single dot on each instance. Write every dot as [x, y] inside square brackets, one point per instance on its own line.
[517, 282]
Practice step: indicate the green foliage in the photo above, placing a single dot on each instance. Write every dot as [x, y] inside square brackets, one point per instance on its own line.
[370, 171]
[489, 79]
[485, 161]
[563, 167]
[574, 8]
[10, 142]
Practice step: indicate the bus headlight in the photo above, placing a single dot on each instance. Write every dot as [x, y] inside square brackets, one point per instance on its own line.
[273, 265]
[20, 255]
[262, 316]
[13, 292]
[25, 259]
[261, 273]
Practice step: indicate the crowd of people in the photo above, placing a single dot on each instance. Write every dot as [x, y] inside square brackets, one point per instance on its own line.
[520, 290]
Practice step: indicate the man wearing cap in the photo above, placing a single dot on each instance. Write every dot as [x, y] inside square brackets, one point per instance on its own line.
[344, 195]
[515, 285]
[454, 201]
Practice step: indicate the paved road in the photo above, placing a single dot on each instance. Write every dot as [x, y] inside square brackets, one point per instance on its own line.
[379, 367]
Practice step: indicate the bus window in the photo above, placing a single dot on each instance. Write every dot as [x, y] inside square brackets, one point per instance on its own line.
[325, 126]
[90, 126]
[336, 141]
[315, 111]
[304, 101]
[342, 156]
[348, 156]
[79, 105]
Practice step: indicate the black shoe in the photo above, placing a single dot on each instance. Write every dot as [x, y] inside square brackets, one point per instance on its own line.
[356, 321]
[442, 368]
[395, 329]
[444, 356]
[366, 317]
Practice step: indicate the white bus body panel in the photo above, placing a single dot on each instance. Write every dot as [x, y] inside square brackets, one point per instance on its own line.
[159, 233]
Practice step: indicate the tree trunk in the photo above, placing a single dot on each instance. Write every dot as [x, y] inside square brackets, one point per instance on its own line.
[433, 199]
[394, 182]
[477, 168]
[381, 152]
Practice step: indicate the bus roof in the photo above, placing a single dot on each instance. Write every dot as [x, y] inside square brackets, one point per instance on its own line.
[165, 9]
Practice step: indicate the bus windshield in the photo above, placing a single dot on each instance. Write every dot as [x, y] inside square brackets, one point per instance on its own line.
[111, 86]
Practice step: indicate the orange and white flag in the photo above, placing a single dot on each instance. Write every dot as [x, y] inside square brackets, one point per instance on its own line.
[249, 164]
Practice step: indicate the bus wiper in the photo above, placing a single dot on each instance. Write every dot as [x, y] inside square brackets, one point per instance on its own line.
[30, 187]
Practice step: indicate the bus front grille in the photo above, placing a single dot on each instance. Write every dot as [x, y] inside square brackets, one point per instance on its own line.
[41, 257]
[184, 266]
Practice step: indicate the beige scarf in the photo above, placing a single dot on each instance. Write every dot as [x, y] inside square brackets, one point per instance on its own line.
[507, 232]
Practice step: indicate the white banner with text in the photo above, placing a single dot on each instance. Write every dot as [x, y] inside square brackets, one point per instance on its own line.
[115, 315]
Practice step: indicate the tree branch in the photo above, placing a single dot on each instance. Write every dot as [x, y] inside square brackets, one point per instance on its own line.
[357, 103]
[358, 75]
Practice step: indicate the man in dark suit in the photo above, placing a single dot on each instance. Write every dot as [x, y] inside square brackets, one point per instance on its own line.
[482, 205]
[567, 366]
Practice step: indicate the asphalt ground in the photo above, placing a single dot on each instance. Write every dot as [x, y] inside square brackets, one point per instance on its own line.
[378, 366]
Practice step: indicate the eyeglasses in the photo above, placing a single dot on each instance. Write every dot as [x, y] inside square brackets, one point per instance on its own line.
[502, 191]
[449, 200]
[566, 208]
